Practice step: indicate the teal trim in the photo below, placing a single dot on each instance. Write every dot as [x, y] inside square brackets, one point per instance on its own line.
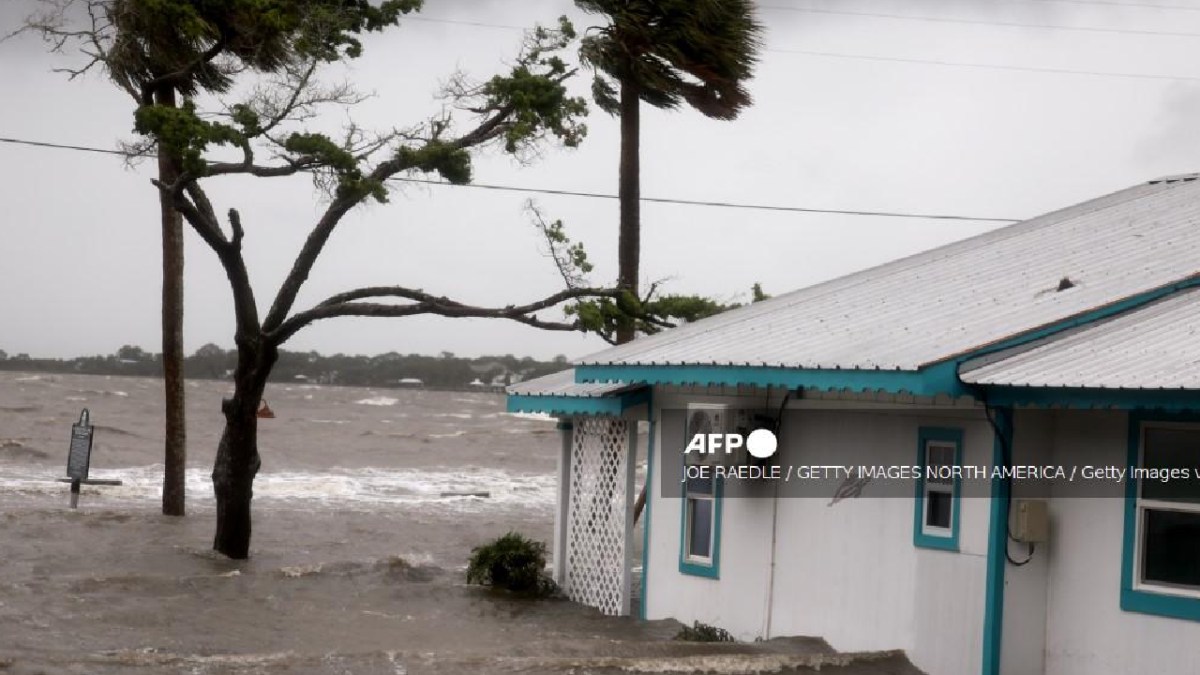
[711, 570]
[1076, 397]
[937, 379]
[697, 569]
[646, 509]
[577, 405]
[922, 539]
[1141, 600]
[993, 604]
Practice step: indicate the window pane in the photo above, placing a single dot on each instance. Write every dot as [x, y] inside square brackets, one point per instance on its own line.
[1172, 448]
[700, 512]
[938, 455]
[703, 486]
[937, 509]
[1172, 547]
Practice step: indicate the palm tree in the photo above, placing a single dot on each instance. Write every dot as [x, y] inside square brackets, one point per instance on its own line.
[666, 53]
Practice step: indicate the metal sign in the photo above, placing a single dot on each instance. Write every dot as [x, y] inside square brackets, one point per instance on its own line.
[80, 456]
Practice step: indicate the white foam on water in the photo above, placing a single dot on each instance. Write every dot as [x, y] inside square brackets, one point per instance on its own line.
[29, 378]
[378, 400]
[364, 488]
[461, 416]
[534, 417]
[453, 434]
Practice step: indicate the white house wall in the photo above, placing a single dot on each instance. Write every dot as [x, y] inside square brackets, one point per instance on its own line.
[1023, 644]
[848, 572]
[1087, 633]
[736, 602]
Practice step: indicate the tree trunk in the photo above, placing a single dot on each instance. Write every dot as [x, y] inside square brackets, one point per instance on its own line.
[237, 461]
[175, 446]
[629, 193]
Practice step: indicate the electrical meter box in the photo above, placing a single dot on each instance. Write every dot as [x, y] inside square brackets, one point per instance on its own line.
[1031, 521]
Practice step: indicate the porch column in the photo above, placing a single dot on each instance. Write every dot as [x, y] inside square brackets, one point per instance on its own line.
[559, 552]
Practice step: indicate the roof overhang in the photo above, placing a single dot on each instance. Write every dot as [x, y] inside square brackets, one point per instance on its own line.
[561, 394]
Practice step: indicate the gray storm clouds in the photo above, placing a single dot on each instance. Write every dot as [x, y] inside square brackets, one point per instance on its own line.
[79, 261]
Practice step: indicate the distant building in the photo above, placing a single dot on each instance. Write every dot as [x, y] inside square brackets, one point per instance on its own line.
[1069, 340]
[410, 382]
[477, 383]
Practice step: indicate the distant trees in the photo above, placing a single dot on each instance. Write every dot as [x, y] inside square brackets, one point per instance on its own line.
[211, 362]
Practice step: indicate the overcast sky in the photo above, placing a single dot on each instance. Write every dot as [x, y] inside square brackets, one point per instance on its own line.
[79, 234]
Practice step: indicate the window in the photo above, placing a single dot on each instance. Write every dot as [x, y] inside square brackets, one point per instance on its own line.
[701, 503]
[935, 518]
[700, 545]
[1168, 511]
[1160, 558]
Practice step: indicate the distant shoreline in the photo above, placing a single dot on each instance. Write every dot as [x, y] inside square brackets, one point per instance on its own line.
[486, 389]
[444, 372]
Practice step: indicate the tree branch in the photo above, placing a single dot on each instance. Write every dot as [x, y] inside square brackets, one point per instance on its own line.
[344, 304]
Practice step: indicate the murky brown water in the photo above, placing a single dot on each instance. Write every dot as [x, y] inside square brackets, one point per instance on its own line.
[357, 556]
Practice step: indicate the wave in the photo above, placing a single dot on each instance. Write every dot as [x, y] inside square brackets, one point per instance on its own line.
[435, 489]
[378, 401]
[533, 417]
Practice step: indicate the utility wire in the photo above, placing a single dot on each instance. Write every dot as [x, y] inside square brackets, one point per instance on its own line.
[63, 146]
[727, 205]
[1110, 3]
[593, 195]
[987, 66]
[980, 22]
[898, 59]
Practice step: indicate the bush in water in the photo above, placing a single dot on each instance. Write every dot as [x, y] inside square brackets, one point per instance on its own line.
[702, 632]
[512, 562]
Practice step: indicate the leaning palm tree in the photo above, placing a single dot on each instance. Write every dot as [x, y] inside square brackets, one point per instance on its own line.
[666, 53]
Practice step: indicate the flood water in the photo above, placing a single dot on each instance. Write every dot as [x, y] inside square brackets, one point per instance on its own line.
[357, 557]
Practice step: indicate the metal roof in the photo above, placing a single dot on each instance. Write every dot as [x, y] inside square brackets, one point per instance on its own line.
[957, 298]
[563, 384]
[1154, 347]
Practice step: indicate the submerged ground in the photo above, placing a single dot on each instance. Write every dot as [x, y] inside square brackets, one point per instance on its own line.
[357, 556]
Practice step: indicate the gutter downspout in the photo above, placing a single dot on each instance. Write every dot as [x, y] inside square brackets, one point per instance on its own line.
[993, 612]
[648, 492]
[770, 608]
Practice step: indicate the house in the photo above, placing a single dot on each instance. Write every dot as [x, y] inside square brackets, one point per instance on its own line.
[1067, 342]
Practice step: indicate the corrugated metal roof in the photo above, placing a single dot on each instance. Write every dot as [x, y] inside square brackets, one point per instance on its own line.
[1155, 347]
[957, 298]
[563, 384]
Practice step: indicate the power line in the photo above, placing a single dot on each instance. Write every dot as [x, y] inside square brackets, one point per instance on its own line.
[63, 146]
[900, 59]
[1109, 3]
[980, 22]
[987, 66]
[597, 195]
[728, 205]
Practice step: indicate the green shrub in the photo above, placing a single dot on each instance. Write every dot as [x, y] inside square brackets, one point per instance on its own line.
[702, 632]
[511, 562]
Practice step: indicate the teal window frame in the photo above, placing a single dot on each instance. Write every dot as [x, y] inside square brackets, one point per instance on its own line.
[711, 568]
[921, 538]
[1148, 599]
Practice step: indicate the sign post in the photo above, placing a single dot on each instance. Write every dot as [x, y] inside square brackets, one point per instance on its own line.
[80, 455]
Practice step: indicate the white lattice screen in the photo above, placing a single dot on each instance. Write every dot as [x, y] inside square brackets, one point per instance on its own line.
[598, 519]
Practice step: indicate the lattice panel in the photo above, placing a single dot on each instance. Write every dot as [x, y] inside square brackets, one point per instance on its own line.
[596, 519]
